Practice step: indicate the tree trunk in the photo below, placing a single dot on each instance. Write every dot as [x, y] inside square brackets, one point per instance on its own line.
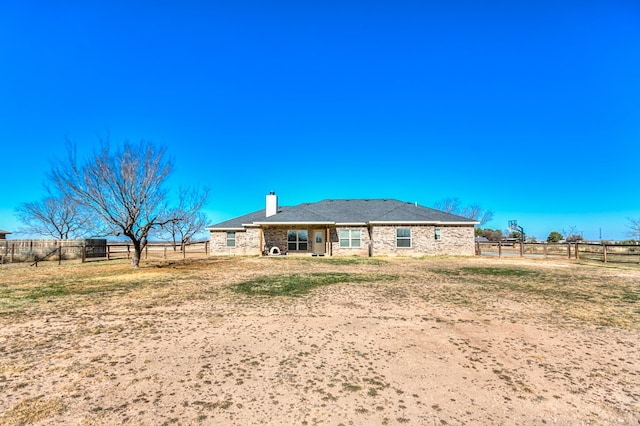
[137, 253]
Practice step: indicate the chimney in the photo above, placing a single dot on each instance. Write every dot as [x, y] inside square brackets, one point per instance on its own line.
[272, 204]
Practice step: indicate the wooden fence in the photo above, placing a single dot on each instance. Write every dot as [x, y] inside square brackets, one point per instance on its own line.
[614, 253]
[38, 250]
[35, 251]
[158, 250]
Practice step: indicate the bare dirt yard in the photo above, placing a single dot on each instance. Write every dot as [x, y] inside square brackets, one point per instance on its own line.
[306, 341]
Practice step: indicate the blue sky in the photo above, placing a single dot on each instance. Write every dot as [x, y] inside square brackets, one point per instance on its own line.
[530, 108]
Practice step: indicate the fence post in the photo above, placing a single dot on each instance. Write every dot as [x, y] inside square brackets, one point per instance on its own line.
[164, 256]
[13, 251]
[477, 248]
[128, 251]
[521, 248]
[604, 252]
[60, 255]
[206, 247]
[84, 253]
[146, 252]
[108, 252]
[184, 251]
[569, 250]
[499, 248]
[544, 249]
[577, 251]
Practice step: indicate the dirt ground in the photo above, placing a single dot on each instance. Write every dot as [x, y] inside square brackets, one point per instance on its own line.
[431, 341]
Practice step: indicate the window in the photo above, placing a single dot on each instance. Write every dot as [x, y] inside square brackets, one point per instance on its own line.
[403, 237]
[231, 239]
[349, 238]
[436, 234]
[297, 240]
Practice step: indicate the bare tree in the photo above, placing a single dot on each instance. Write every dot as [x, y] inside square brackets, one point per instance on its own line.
[191, 220]
[634, 228]
[124, 188]
[572, 234]
[472, 211]
[55, 216]
[449, 205]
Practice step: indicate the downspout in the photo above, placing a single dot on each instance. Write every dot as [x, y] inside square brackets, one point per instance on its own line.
[261, 245]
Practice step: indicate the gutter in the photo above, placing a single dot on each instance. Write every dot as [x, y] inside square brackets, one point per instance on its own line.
[292, 223]
[414, 222]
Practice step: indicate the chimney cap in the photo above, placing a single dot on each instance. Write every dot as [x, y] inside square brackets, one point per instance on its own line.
[272, 193]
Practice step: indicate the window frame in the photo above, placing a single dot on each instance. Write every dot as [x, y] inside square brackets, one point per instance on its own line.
[404, 238]
[350, 238]
[294, 245]
[437, 234]
[229, 239]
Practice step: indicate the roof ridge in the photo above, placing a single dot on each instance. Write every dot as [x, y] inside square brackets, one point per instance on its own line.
[348, 210]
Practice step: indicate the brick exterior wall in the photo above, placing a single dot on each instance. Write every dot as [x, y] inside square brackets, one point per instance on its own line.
[365, 241]
[247, 243]
[455, 240]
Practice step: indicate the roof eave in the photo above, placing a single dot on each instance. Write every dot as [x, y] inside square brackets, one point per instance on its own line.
[294, 223]
[229, 228]
[420, 222]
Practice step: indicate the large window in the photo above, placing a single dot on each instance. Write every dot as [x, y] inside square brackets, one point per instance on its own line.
[403, 237]
[349, 238]
[297, 240]
[231, 239]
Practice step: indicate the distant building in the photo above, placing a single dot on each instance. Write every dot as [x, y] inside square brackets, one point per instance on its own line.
[3, 234]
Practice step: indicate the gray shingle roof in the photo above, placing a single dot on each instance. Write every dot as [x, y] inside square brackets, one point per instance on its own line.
[347, 211]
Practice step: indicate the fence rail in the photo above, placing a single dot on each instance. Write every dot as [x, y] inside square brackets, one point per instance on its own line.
[158, 250]
[35, 251]
[614, 253]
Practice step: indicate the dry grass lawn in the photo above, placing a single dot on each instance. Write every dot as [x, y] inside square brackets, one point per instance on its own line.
[306, 341]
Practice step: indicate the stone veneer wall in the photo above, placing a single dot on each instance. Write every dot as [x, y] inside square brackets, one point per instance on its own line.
[278, 237]
[455, 240]
[247, 243]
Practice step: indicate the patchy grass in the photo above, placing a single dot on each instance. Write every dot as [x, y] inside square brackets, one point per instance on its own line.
[586, 293]
[372, 261]
[504, 271]
[32, 410]
[299, 284]
[490, 271]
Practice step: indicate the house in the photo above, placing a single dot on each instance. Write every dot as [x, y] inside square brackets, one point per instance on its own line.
[359, 227]
[3, 234]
